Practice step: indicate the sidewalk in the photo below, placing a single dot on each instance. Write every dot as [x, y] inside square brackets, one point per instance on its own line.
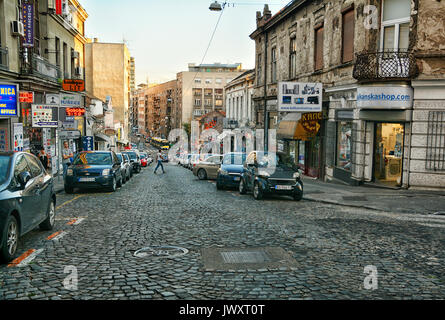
[58, 184]
[368, 197]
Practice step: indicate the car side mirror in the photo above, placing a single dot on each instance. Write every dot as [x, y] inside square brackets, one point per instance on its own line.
[24, 178]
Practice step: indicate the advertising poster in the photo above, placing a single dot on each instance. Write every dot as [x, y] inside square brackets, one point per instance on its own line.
[8, 100]
[44, 116]
[299, 97]
[18, 137]
[53, 99]
[28, 24]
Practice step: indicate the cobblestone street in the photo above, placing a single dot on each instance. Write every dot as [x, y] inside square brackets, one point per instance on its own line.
[330, 246]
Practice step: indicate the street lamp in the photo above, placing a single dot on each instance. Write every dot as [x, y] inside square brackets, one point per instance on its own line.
[215, 6]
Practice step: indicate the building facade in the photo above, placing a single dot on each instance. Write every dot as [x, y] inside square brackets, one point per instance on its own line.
[108, 72]
[381, 67]
[201, 88]
[39, 49]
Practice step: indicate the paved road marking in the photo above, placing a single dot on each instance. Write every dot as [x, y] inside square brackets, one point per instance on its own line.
[54, 235]
[57, 235]
[75, 222]
[25, 258]
[69, 201]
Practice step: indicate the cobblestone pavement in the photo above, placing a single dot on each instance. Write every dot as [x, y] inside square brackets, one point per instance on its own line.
[331, 246]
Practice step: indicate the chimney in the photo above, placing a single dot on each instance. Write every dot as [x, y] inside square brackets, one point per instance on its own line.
[266, 12]
[258, 18]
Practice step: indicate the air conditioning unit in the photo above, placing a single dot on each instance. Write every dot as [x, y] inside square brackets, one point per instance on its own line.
[17, 28]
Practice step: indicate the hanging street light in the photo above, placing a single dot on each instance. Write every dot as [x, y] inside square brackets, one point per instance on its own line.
[215, 6]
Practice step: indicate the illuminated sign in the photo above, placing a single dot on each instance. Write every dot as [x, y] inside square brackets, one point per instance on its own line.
[75, 112]
[8, 100]
[73, 85]
[26, 96]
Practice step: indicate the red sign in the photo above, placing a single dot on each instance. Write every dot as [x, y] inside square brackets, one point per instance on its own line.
[73, 85]
[26, 96]
[74, 112]
[59, 7]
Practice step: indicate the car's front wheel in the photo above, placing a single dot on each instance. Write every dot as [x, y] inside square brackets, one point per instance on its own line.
[48, 224]
[257, 192]
[10, 239]
[242, 187]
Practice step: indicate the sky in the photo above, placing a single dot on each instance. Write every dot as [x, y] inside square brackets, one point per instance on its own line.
[165, 35]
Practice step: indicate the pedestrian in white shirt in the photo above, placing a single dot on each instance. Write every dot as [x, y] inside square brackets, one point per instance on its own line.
[159, 158]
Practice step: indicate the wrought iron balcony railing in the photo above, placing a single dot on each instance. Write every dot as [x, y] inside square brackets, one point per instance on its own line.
[41, 67]
[385, 65]
[4, 59]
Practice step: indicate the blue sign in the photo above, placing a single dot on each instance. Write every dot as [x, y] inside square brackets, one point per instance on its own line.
[88, 143]
[8, 100]
[28, 24]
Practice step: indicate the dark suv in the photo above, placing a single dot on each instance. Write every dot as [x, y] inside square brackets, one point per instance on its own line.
[271, 173]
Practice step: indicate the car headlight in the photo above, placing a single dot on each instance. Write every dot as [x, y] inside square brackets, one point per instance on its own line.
[69, 172]
[106, 172]
[223, 172]
[296, 175]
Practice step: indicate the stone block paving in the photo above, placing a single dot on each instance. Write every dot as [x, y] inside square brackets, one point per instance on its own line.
[331, 245]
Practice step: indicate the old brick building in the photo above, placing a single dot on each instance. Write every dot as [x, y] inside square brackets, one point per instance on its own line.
[382, 69]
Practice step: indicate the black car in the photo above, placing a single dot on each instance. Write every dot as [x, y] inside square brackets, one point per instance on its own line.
[135, 161]
[27, 199]
[94, 169]
[271, 173]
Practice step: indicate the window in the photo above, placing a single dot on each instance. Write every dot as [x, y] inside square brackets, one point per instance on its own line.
[197, 80]
[197, 102]
[347, 52]
[395, 25]
[36, 170]
[36, 28]
[65, 60]
[20, 166]
[318, 48]
[274, 65]
[208, 81]
[259, 62]
[57, 52]
[293, 58]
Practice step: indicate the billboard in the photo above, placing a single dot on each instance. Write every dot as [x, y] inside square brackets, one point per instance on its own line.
[8, 100]
[299, 97]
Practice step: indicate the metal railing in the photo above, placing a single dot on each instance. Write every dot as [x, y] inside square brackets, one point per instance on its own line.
[4, 59]
[42, 68]
[435, 148]
[385, 65]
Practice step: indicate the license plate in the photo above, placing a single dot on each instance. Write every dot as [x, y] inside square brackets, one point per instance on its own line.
[87, 179]
[283, 187]
[236, 179]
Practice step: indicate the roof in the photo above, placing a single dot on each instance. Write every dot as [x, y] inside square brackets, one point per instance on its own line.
[244, 74]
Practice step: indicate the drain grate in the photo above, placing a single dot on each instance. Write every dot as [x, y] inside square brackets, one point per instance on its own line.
[260, 256]
[161, 252]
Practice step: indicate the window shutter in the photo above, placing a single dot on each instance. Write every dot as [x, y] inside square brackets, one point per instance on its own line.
[348, 36]
[319, 48]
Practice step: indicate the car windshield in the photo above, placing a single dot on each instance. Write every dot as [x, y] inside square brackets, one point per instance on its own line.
[4, 168]
[132, 155]
[143, 156]
[98, 159]
[236, 159]
[119, 156]
[274, 160]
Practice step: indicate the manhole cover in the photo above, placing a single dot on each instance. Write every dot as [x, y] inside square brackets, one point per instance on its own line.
[245, 256]
[161, 252]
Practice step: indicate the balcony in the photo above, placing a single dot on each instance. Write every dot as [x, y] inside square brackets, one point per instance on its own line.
[4, 59]
[40, 67]
[385, 65]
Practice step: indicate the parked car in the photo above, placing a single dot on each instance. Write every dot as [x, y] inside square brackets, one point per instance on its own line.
[269, 173]
[208, 169]
[144, 160]
[27, 199]
[126, 157]
[194, 159]
[94, 169]
[229, 174]
[135, 161]
[186, 161]
[125, 166]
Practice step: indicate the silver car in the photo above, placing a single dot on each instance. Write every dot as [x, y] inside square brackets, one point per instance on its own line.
[125, 166]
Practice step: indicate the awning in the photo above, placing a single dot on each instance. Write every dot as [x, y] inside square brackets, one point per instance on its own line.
[298, 126]
[101, 137]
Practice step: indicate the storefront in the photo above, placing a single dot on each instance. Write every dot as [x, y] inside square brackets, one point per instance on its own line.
[9, 111]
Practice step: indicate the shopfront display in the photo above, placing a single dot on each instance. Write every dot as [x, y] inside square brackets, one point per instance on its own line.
[388, 153]
[344, 143]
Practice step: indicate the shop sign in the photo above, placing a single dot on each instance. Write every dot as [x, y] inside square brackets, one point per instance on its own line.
[384, 97]
[310, 121]
[53, 99]
[299, 97]
[70, 100]
[28, 24]
[18, 136]
[74, 85]
[88, 143]
[26, 96]
[44, 116]
[8, 100]
[71, 134]
[74, 112]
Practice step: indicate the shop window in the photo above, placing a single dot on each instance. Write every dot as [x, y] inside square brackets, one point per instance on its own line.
[344, 145]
